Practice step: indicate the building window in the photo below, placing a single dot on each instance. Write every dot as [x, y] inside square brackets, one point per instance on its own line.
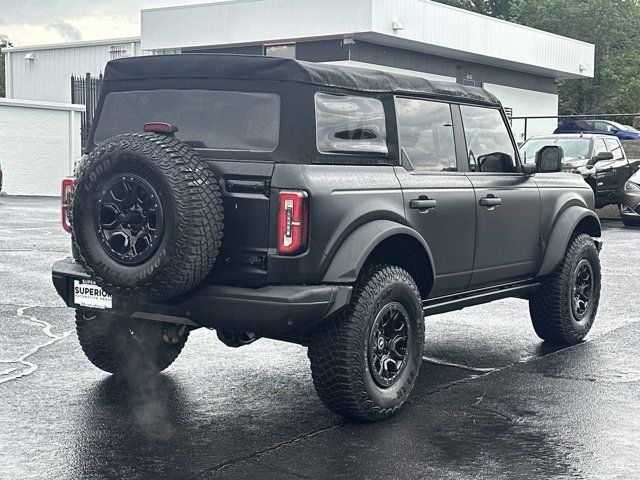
[118, 51]
[167, 51]
[284, 51]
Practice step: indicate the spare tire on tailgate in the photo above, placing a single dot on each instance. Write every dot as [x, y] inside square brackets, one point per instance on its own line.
[147, 216]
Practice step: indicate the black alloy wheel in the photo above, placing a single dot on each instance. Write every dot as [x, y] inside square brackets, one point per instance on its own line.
[388, 344]
[582, 289]
[129, 219]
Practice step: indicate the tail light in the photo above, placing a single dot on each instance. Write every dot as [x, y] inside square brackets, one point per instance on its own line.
[68, 185]
[293, 222]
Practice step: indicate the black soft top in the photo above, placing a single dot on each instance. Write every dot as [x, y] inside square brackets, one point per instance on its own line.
[254, 67]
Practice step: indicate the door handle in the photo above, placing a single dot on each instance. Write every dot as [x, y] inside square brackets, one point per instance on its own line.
[423, 204]
[490, 201]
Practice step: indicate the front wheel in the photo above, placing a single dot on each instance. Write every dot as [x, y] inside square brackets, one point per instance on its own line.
[565, 307]
[122, 345]
[365, 361]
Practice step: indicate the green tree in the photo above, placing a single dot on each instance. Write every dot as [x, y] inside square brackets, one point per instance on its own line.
[612, 25]
[495, 8]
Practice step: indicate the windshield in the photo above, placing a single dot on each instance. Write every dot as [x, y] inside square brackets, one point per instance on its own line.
[216, 119]
[577, 148]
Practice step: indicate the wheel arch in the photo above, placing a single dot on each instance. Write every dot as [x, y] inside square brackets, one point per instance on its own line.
[573, 220]
[383, 241]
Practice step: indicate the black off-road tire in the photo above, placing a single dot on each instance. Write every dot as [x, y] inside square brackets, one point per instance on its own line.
[552, 307]
[340, 348]
[192, 223]
[128, 346]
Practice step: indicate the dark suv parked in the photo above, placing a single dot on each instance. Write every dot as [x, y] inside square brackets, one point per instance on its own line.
[328, 206]
[600, 159]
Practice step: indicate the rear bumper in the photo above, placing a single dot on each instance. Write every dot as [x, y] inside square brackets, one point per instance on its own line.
[269, 311]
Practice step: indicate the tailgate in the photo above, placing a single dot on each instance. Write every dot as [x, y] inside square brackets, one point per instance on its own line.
[245, 187]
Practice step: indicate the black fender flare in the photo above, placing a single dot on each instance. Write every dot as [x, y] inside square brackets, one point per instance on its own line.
[562, 231]
[356, 248]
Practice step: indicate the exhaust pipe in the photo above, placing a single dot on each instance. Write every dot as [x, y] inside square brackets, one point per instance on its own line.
[234, 339]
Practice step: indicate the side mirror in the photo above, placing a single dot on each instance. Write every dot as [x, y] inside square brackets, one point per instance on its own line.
[549, 159]
[529, 168]
[602, 156]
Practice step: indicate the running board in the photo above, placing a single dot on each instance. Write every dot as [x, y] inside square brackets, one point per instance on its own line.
[477, 297]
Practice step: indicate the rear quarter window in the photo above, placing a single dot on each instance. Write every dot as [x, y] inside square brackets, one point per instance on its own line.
[214, 119]
[347, 124]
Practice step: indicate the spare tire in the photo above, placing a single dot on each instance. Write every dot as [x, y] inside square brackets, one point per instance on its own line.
[147, 216]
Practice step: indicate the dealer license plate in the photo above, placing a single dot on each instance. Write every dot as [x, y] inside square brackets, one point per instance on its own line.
[87, 294]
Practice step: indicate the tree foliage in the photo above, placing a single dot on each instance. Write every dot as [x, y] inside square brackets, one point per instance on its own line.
[495, 8]
[612, 25]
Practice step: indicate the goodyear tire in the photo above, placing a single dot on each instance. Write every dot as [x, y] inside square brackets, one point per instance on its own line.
[365, 361]
[147, 216]
[564, 308]
[128, 346]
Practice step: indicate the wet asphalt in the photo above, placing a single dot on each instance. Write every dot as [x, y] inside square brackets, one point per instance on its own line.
[492, 401]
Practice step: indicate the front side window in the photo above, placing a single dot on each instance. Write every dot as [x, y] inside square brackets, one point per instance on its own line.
[216, 119]
[604, 127]
[614, 147]
[488, 141]
[599, 147]
[348, 124]
[426, 134]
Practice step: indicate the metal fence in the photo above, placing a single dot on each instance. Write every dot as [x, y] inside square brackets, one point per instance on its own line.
[86, 91]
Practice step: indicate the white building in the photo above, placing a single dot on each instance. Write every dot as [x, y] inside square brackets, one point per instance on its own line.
[43, 72]
[520, 65]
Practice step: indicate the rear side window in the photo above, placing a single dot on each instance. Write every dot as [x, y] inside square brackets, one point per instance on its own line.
[488, 142]
[220, 120]
[426, 134]
[350, 124]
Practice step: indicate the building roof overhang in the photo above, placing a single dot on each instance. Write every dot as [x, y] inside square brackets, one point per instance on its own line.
[418, 25]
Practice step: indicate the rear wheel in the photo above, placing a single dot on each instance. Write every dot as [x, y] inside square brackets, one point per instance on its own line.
[124, 345]
[365, 361]
[565, 307]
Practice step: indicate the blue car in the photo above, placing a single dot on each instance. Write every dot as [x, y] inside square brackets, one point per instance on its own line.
[606, 127]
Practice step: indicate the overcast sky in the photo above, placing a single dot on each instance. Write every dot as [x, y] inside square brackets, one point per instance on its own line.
[29, 22]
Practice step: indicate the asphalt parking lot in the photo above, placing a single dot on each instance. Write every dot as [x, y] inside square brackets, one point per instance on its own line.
[492, 400]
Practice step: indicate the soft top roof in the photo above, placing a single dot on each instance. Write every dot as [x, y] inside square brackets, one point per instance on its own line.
[253, 67]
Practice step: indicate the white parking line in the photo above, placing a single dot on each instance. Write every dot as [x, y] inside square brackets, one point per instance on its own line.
[31, 367]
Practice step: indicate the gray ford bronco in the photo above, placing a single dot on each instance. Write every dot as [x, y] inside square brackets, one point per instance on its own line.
[327, 206]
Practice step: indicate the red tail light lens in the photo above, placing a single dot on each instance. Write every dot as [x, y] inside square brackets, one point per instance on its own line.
[160, 127]
[293, 222]
[68, 185]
